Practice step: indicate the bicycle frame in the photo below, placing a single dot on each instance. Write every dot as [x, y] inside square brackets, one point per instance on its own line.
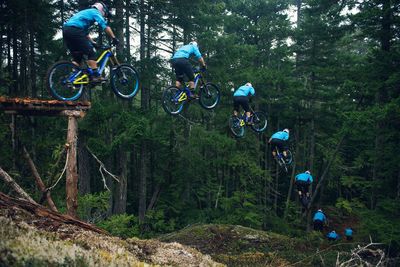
[102, 61]
[183, 93]
[243, 115]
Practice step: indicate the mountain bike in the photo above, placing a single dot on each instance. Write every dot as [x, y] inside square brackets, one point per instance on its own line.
[283, 161]
[174, 99]
[258, 121]
[66, 81]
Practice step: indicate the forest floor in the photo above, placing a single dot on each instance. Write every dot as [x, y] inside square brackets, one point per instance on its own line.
[236, 245]
[34, 236]
[27, 238]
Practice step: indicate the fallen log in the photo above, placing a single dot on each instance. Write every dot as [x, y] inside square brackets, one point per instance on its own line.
[39, 181]
[10, 181]
[50, 217]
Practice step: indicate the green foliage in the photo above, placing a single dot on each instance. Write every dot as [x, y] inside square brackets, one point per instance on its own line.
[156, 223]
[381, 225]
[93, 207]
[122, 225]
[241, 209]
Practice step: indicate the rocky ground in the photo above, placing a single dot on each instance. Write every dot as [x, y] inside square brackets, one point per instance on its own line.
[31, 235]
[29, 239]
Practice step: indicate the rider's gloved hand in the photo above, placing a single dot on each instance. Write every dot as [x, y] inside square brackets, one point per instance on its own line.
[115, 41]
[203, 68]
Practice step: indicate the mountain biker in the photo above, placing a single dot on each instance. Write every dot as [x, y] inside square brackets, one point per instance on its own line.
[241, 98]
[77, 39]
[279, 140]
[332, 236]
[180, 62]
[303, 181]
[348, 232]
[318, 220]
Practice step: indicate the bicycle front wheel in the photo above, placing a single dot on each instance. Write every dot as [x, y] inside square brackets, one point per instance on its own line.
[209, 96]
[125, 81]
[60, 78]
[235, 124]
[173, 100]
[259, 121]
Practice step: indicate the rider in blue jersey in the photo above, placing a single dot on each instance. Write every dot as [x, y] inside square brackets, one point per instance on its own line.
[180, 62]
[279, 140]
[332, 236]
[348, 232]
[303, 181]
[241, 98]
[77, 39]
[319, 219]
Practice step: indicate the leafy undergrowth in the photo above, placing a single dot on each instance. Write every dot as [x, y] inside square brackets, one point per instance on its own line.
[26, 241]
[235, 245]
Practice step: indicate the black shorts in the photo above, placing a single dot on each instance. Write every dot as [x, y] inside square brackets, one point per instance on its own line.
[182, 67]
[278, 143]
[76, 41]
[302, 186]
[318, 225]
[241, 101]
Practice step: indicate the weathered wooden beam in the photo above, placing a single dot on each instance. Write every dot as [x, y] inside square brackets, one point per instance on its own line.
[72, 170]
[39, 107]
[10, 181]
[39, 181]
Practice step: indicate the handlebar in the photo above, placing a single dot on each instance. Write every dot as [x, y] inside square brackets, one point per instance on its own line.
[198, 70]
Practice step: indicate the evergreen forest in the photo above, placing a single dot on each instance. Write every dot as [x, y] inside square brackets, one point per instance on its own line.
[329, 71]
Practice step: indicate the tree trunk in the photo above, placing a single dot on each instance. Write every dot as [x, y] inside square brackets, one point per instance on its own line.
[83, 167]
[127, 32]
[143, 181]
[72, 172]
[15, 64]
[296, 152]
[144, 101]
[120, 198]
[32, 72]
[23, 55]
[119, 26]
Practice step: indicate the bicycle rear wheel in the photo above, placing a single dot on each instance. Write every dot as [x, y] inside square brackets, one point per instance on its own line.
[209, 96]
[59, 81]
[173, 100]
[235, 125]
[259, 121]
[289, 158]
[125, 81]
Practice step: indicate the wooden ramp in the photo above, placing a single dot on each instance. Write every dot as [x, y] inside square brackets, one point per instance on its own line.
[39, 107]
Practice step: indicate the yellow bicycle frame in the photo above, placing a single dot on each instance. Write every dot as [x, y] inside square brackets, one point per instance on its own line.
[184, 97]
[84, 79]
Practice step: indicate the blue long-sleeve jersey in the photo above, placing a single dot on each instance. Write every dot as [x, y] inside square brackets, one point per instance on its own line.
[281, 135]
[348, 232]
[86, 18]
[333, 235]
[319, 216]
[244, 90]
[305, 177]
[186, 51]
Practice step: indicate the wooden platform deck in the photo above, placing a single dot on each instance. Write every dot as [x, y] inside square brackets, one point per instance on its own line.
[39, 107]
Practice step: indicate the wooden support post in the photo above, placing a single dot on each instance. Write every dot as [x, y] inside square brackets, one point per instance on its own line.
[72, 170]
